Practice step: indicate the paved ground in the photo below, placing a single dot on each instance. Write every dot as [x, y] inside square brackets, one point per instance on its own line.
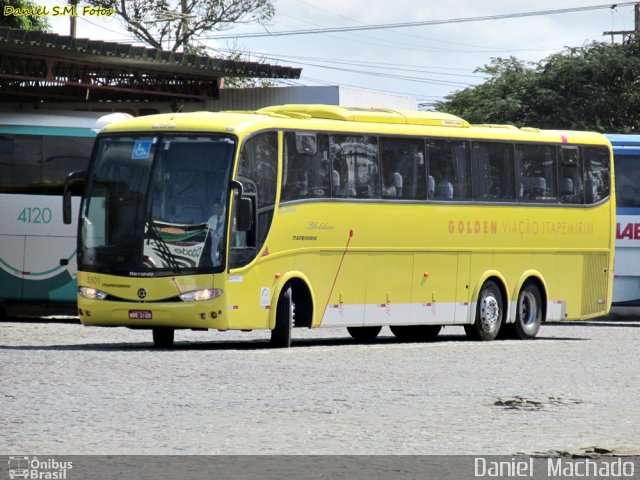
[67, 389]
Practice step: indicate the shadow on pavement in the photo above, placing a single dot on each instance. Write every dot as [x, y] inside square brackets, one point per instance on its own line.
[181, 346]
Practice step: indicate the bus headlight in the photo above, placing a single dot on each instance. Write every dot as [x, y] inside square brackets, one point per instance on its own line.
[92, 293]
[199, 295]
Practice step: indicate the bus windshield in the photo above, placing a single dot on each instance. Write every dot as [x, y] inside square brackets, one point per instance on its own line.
[156, 205]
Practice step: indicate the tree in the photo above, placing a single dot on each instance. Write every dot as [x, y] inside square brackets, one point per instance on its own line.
[596, 87]
[23, 21]
[175, 23]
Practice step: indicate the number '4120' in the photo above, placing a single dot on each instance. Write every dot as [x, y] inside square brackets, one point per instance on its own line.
[35, 215]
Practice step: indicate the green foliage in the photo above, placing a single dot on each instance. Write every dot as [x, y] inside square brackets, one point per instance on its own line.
[23, 22]
[596, 87]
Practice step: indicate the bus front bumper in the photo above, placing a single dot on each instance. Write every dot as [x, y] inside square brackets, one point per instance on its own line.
[204, 314]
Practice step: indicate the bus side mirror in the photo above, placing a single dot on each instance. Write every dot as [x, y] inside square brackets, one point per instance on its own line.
[73, 177]
[244, 215]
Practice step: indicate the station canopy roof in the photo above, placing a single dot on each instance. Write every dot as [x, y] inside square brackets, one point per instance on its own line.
[36, 65]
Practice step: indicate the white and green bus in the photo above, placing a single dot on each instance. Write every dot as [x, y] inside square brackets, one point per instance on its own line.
[37, 251]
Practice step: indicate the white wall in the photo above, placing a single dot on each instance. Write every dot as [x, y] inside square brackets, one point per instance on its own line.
[256, 98]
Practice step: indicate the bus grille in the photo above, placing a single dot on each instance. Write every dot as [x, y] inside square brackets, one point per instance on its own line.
[594, 288]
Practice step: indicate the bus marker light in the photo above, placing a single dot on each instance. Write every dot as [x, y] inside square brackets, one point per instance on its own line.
[425, 274]
[278, 275]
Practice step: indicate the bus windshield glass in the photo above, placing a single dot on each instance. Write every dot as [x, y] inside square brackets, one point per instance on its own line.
[156, 205]
[628, 181]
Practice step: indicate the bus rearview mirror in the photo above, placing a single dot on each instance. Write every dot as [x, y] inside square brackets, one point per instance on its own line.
[71, 178]
[244, 218]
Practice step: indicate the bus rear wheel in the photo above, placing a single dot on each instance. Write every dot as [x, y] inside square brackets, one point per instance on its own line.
[163, 337]
[489, 314]
[416, 333]
[528, 312]
[285, 314]
[364, 334]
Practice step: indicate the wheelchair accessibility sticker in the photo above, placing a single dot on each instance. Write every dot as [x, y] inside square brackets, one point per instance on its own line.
[141, 149]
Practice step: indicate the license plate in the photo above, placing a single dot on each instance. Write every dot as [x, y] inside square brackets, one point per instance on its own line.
[140, 314]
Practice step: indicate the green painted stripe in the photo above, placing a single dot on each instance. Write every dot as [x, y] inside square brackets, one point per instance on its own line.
[38, 274]
[54, 131]
[13, 269]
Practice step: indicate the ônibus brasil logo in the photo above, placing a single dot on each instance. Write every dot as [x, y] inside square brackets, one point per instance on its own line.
[35, 468]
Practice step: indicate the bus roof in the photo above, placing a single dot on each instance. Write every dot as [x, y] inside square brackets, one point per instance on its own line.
[330, 118]
[368, 115]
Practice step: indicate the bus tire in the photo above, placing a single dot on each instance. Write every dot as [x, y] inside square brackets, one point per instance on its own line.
[285, 313]
[489, 314]
[416, 333]
[528, 312]
[163, 337]
[364, 334]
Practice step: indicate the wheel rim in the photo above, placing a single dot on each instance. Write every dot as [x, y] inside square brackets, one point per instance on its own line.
[489, 312]
[528, 309]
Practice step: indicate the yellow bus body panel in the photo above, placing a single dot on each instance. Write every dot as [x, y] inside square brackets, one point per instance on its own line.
[381, 262]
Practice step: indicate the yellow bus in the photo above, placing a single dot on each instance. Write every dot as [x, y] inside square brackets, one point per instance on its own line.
[304, 216]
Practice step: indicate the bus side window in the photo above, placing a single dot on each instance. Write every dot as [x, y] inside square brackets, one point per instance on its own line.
[305, 167]
[537, 170]
[449, 168]
[354, 161]
[21, 159]
[403, 168]
[597, 178]
[494, 171]
[34, 164]
[257, 171]
[627, 178]
[570, 176]
[62, 155]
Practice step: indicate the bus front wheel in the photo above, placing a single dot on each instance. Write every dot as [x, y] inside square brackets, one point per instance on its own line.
[285, 314]
[489, 314]
[163, 337]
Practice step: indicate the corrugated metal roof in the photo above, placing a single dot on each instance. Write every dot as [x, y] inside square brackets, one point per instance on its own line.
[36, 56]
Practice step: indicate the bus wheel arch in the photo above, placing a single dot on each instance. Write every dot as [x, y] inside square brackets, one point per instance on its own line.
[293, 289]
[491, 309]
